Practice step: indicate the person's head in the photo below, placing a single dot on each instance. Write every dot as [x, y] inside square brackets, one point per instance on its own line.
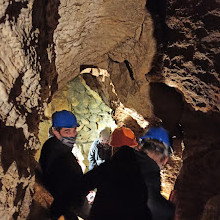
[104, 136]
[156, 144]
[64, 126]
[123, 136]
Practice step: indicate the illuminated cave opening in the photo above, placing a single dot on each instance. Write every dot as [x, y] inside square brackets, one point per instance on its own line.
[91, 112]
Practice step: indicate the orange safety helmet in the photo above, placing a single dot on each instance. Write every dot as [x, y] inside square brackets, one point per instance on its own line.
[123, 136]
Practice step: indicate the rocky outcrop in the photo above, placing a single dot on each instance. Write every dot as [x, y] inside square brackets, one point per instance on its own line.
[188, 62]
[141, 59]
[188, 57]
[26, 81]
[112, 35]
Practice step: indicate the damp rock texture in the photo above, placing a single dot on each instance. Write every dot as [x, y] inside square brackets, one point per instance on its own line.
[162, 63]
[191, 66]
[24, 87]
[191, 61]
[112, 35]
[196, 183]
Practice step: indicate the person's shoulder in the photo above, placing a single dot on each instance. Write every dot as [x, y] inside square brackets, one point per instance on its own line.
[53, 144]
[124, 152]
[95, 142]
[47, 144]
[146, 161]
[48, 148]
[51, 140]
[125, 148]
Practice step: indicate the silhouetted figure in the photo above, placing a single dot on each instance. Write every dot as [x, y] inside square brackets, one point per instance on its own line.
[128, 186]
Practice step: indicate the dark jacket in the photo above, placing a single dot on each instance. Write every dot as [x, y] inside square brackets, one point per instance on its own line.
[98, 154]
[62, 175]
[121, 191]
[161, 208]
[126, 186]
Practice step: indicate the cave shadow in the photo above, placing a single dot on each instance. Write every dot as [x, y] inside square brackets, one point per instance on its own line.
[12, 144]
[168, 107]
[12, 141]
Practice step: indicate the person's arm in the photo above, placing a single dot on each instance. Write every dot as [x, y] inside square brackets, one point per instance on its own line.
[159, 206]
[93, 178]
[91, 155]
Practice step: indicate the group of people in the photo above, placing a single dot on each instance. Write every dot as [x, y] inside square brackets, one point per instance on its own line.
[125, 173]
[103, 148]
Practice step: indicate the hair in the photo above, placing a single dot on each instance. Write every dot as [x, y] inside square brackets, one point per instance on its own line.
[156, 147]
[51, 129]
[56, 128]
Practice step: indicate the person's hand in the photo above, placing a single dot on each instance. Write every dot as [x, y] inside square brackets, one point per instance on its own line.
[90, 197]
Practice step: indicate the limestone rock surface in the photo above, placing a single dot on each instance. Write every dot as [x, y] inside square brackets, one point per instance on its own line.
[159, 61]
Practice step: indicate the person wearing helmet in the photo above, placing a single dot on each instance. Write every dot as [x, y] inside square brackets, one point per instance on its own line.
[154, 151]
[121, 193]
[122, 136]
[100, 150]
[128, 186]
[62, 174]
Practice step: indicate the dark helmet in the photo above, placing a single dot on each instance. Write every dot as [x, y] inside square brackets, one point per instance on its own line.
[64, 119]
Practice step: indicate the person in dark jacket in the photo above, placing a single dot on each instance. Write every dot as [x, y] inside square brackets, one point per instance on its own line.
[62, 174]
[155, 150]
[128, 186]
[100, 150]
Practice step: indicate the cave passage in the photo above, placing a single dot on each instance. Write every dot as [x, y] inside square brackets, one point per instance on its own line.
[91, 112]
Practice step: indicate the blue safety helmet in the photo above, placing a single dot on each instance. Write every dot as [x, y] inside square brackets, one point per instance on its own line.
[160, 134]
[64, 119]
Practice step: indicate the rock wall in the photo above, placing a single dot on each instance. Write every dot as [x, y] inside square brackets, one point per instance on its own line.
[112, 35]
[188, 50]
[45, 44]
[193, 52]
[196, 141]
[191, 64]
[16, 174]
[26, 81]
